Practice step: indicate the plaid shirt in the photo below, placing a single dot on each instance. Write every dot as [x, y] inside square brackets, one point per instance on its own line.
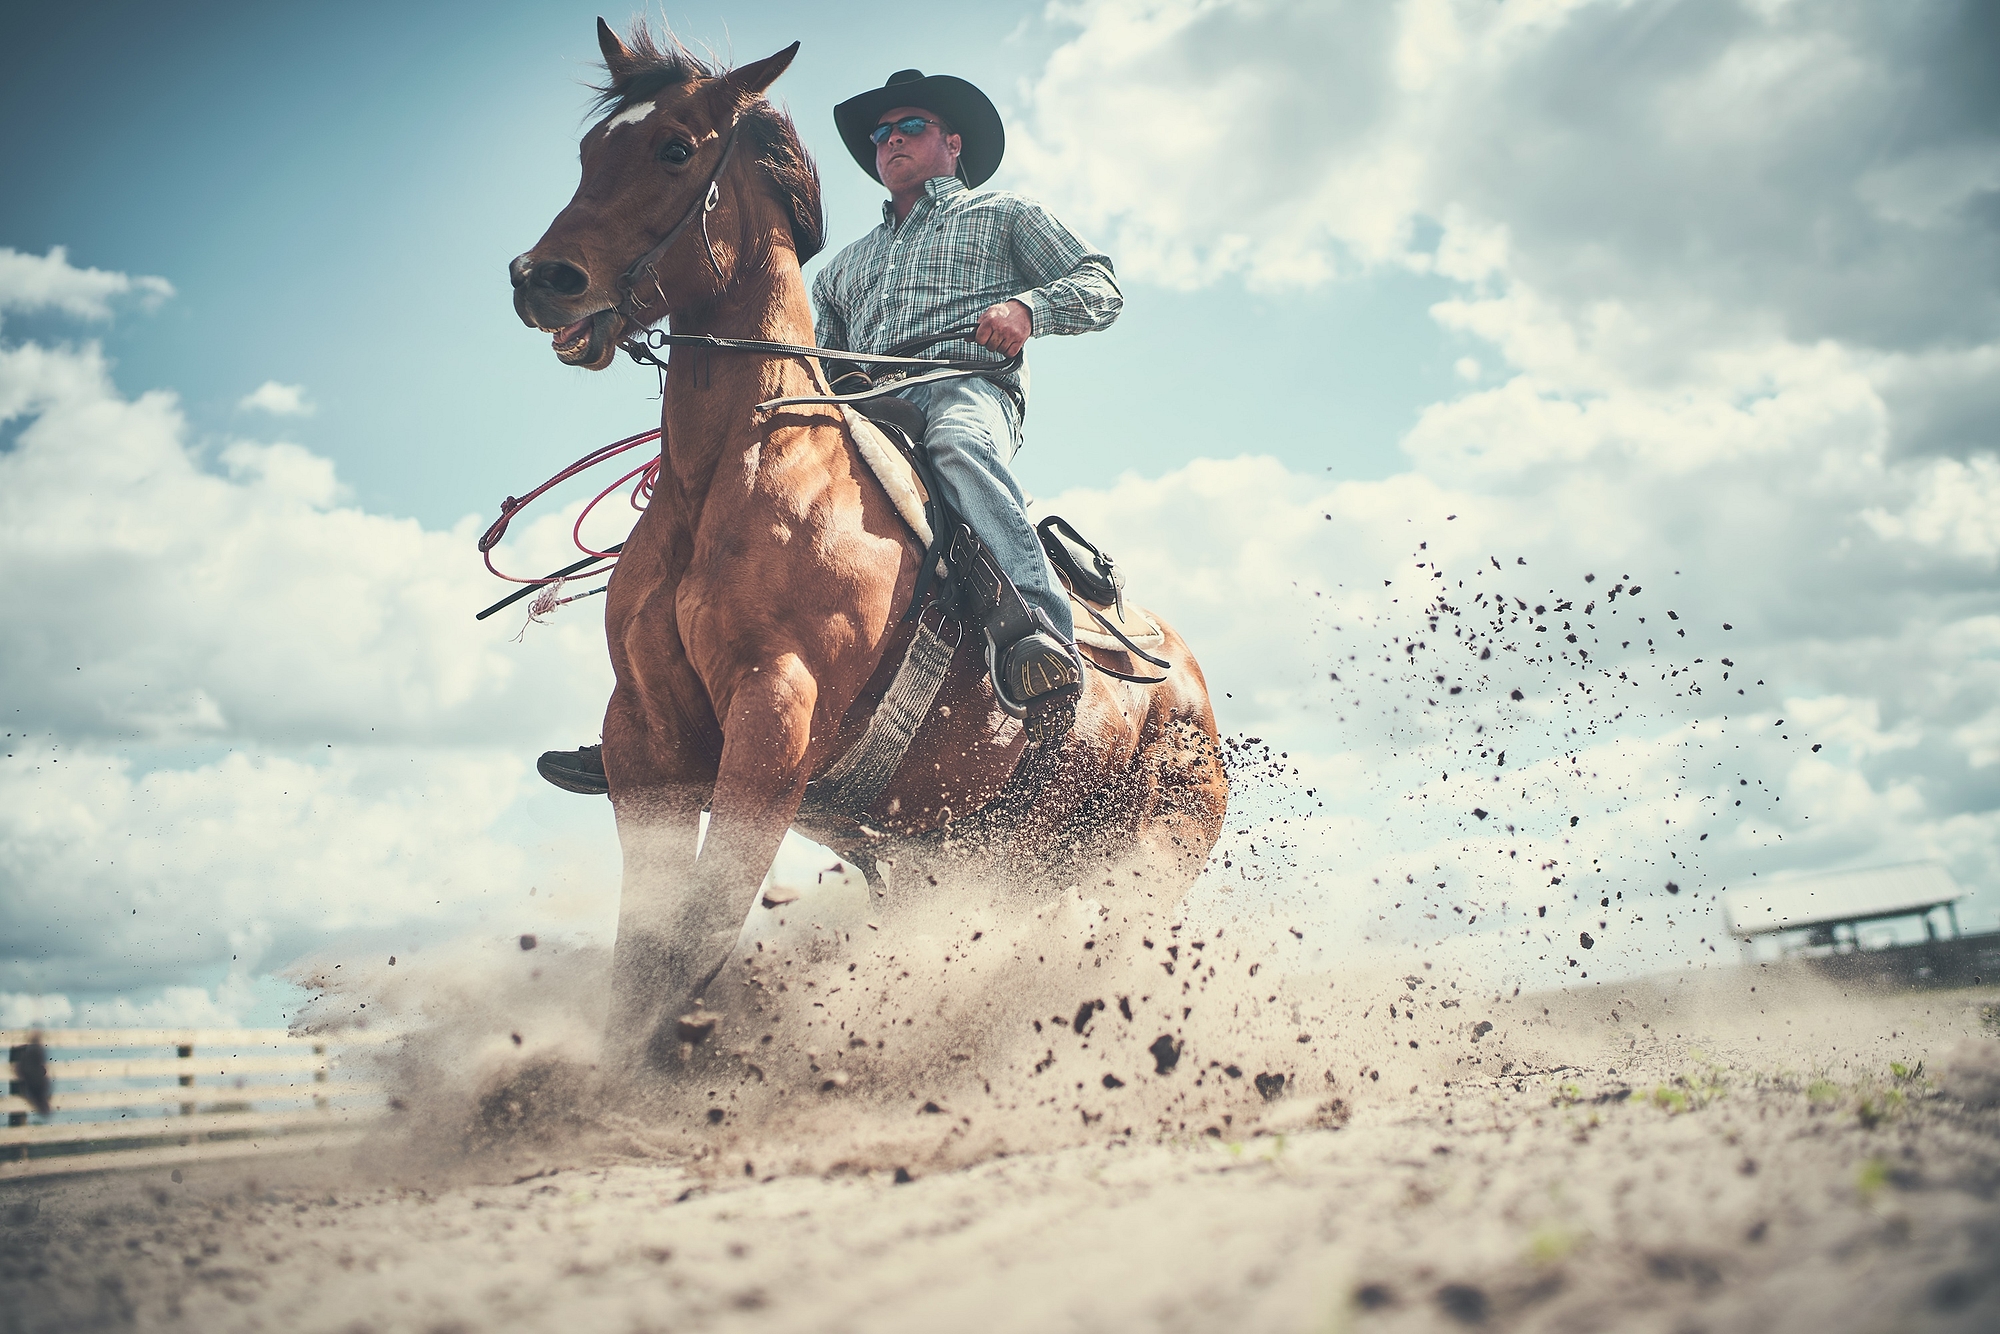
[955, 255]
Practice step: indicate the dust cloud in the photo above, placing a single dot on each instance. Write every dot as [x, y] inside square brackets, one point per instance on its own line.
[1317, 966]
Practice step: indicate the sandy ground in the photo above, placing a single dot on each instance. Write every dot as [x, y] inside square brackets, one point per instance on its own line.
[1673, 1156]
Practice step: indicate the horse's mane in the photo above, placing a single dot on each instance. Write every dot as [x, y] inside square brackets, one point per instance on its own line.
[773, 137]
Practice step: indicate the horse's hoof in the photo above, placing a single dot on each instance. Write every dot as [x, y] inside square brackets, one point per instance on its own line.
[579, 770]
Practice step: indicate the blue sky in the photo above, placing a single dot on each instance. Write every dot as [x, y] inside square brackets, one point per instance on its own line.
[1698, 296]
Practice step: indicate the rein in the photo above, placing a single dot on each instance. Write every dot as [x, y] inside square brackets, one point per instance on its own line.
[939, 369]
[648, 473]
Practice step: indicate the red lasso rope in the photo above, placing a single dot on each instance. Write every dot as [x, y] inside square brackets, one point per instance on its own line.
[642, 492]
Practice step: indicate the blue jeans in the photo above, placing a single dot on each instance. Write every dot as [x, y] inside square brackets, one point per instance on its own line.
[974, 434]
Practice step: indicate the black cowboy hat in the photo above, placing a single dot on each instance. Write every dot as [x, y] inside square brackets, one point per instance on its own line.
[969, 112]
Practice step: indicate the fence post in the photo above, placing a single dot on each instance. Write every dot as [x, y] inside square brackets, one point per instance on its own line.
[14, 1090]
[186, 1053]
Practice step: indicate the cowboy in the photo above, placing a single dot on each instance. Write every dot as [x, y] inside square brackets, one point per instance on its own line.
[946, 259]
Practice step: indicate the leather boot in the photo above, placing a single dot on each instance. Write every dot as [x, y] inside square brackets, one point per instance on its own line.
[1035, 665]
[580, 770]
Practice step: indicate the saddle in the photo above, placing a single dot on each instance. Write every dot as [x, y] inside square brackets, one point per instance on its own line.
[960, 576]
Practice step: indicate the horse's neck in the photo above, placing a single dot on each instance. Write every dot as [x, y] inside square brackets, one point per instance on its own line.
[709, 410]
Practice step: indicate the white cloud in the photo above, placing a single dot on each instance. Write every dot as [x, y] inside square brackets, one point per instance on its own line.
[1668, 181]
[1728, 506]
[1956, 508]
[244, 718]
[173, 1007]
[173, 869]
[251, 603]
[24, 1010]
[1241, 156]
[1853, 723]
[162, 1007]
[30, 283]
[280, 400]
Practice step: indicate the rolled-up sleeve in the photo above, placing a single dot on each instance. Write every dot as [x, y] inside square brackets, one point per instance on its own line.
[1074, 289]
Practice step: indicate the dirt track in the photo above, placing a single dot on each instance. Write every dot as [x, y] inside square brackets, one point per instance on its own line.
[1808, 1188]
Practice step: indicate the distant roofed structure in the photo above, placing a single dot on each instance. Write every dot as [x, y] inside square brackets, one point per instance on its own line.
[1822, 904]
[1820, 919]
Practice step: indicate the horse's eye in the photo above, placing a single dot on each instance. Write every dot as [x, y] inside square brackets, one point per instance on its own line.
[675, 152]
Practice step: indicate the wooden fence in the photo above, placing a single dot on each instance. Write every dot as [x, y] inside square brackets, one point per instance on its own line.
[156, 1097]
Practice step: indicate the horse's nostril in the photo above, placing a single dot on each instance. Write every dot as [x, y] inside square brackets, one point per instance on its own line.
[560, 278]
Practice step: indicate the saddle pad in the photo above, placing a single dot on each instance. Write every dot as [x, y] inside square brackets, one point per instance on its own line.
[898, 478]
[1137, 625]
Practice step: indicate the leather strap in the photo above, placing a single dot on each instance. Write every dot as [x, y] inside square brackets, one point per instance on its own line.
[1130, 647]
[1097, 666]
[640, 350]
[701, 208]
[661, 338]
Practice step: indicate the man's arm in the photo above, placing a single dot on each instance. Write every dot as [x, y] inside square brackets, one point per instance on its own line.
[830, 324]
[1074, 289]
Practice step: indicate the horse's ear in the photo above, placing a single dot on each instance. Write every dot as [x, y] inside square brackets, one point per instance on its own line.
[753, 79]
[618, 58]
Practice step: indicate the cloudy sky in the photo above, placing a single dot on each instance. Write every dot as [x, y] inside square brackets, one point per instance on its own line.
[1695, 301]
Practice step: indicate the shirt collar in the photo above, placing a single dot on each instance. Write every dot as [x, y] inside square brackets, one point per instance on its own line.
[935, 189]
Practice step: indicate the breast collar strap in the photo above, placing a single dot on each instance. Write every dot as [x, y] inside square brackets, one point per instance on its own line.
[642, 267]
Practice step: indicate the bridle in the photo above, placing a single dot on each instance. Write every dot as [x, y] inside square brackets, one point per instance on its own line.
[699, 210]
[710, 196]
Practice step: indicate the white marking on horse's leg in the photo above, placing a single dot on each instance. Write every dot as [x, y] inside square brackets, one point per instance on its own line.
[629, 116]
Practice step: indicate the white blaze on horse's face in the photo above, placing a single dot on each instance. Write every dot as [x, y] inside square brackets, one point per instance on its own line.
[629, 116]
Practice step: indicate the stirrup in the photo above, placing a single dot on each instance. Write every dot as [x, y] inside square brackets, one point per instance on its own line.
[1035, 665]
[580, 770]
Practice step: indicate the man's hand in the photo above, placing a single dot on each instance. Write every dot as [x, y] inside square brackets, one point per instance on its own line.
[1005, 328]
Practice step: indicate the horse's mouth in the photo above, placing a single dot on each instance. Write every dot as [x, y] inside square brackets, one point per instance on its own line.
[590, 342]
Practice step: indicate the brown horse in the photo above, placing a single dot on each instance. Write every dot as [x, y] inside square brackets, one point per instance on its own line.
[755, 617]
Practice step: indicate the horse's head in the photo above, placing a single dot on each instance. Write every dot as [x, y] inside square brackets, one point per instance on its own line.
[644, 235]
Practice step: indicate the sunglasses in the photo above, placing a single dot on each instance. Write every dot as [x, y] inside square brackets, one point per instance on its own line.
[909, 127]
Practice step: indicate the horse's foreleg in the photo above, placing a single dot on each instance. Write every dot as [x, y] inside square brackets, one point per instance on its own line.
[676, 933]
[658, 828]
